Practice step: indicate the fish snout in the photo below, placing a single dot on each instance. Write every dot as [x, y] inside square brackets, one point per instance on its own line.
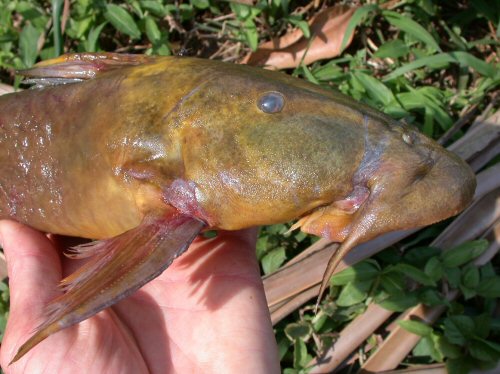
[454, 181]
[437, 187]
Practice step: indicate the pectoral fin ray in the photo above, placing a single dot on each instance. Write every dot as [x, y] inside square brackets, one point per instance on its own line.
[119, 267]
[74, 67]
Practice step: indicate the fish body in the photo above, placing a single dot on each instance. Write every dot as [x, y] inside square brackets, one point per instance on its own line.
[150, 151]
[173, 120]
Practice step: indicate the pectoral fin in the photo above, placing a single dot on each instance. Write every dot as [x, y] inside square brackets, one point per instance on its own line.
[75, 67]
[120, 266]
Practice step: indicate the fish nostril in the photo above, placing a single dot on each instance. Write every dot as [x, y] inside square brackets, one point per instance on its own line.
[408, 139]
[424, 169]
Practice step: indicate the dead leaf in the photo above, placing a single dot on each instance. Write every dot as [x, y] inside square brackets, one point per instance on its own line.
[5, 89]
[328, 28]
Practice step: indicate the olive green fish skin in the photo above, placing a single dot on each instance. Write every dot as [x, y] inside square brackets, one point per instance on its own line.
[93, 158]
[147, 152]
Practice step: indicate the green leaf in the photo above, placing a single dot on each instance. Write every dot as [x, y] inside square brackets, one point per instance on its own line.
[154, 7]
[456, 39]
[482, 323]
[393, 283]
[28, 44]
[399, 303]
[298, 330]
[251, 34]
[487, 271]
[273, 260]
[460, 365]
[431, 297]
[56, 21]
[427, 347]
[489, 287]
[357, 18]
[419, 256]
[453, 276]
[354, 292]
[162, 49]
[201, 4]
[416, 327]
[242, 10]
[414, 273]
[434, 269]
[262, 245]
[470, 277]
[31, 12]
[136, 8]
[488, 9]
[152, 31]
[375, 89]
[393, 49]
[447, 349]
[91, 43]
[484, 350]
[301, 24]
[468, 293]
[78, 28]
[362, 271]
[495, 322]
[307, 73]
[458, 329]
[461, 58]
[277, 229]
[122, 20]
[300, 356]
[464, 253]
[482, 67]
[429, 232]
[412, 28]
[283, 345]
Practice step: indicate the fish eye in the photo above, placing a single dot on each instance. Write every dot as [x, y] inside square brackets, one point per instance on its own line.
[271, 102]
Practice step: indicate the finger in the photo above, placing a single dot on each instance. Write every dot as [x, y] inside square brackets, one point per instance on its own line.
[34, 269]
[229, 251]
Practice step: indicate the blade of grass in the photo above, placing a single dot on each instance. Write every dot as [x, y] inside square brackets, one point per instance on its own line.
[57, 6]
[412, 28]
[462, 58]
[357, 18]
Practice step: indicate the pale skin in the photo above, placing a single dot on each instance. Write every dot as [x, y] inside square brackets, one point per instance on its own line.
[207, 313]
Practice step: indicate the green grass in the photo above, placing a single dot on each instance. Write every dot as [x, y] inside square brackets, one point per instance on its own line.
[425, 62]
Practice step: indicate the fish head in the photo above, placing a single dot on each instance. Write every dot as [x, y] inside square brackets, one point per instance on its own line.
[261, 147]
[405, 180]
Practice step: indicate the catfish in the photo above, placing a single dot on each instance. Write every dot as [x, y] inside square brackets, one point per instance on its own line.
[143, 153]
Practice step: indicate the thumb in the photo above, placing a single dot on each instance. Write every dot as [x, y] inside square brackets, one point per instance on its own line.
[34, 270]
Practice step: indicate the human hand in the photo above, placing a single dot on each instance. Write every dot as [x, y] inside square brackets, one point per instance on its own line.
[206, 313]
